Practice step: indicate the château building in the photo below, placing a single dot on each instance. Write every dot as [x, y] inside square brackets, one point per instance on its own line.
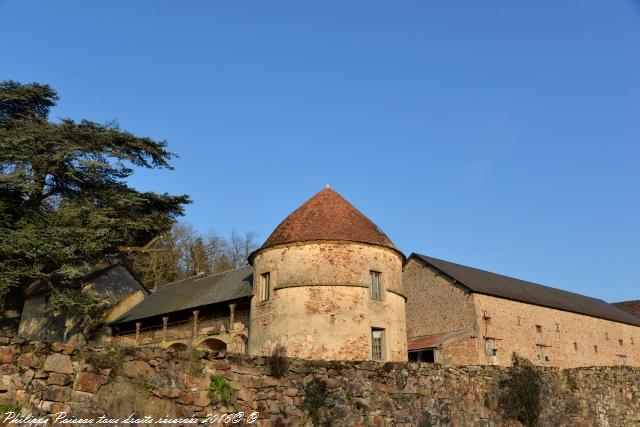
[329, 284]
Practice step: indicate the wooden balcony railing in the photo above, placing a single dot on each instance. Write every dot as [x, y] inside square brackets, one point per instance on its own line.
[184, 329]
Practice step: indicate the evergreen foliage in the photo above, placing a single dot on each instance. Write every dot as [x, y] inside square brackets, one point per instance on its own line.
[65, 206]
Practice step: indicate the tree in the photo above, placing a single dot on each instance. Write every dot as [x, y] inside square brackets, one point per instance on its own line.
[240, 246]
[64, 200]
[184, 251]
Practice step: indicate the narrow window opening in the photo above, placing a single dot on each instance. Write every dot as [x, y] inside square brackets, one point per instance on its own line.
[375, 285]
[557, 327]
[575, 346]
[377, 343]
[595, 348]
[542, 353]
[621, 342]
[265, 286]
[518, 320]
[539, 329]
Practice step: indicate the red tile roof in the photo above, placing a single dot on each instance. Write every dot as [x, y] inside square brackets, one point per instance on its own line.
[433, 340]
[632, 307]
[326, 216]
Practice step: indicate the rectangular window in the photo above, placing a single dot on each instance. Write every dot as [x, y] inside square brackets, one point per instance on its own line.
[375, 285]
[539, 328]
[265, 286]
[490, 347]
[542, 353]
[377, 344]
[575, 346]
[621, 342]
[595, 348]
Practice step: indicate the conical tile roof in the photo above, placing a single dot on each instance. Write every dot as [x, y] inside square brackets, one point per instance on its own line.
[326, 216]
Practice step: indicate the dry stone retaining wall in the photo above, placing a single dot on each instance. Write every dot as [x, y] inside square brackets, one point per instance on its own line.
[45, 379]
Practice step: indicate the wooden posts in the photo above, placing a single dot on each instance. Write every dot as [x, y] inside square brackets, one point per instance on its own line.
[232, 315]
[194, 333]
[165, 321]
[138, 325]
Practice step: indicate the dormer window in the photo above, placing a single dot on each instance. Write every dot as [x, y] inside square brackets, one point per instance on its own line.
[375, 285]
[265, 286]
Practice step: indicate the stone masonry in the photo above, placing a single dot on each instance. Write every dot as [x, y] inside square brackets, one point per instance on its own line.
[46, 379]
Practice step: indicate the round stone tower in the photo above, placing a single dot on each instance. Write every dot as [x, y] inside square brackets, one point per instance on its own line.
[328, 285]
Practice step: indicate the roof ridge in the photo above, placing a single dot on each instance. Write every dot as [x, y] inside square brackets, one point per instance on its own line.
[527, 292]
[528, 282]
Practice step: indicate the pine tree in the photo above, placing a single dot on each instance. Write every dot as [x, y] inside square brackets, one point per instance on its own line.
[64, 200]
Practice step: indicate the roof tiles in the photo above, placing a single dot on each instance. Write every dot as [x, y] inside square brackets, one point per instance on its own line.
[326, 216]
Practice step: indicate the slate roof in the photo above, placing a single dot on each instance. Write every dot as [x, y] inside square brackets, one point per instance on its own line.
[487, 283]
[193, 292]
[326, 216]
[632, 307]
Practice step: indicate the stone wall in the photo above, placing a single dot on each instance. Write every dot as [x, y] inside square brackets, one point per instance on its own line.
[46, 379]
[569, 339]
[434, 304]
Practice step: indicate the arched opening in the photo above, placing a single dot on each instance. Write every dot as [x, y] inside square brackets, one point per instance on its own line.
[178, 346]
[212, 344]
[238, 344]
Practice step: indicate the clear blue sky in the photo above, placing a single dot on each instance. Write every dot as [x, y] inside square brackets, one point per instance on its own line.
[499, 134]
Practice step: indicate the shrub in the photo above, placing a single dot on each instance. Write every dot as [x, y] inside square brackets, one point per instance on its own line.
[195, 362]
[112, 359]
[519, 398]
[315, 395]
[9, 407]
[572, 384]
[278, 363]
[220, 388]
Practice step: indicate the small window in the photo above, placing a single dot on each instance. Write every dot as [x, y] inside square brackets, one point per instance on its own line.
[631, 340]
[621, 342]
[518, 320]
[377, 344]
[375, 285]
[595, 348]
[575, 346]
[265, 286]
[539, 328]
[542, 353]
[490, 347]
[557, 327]
[606, 336]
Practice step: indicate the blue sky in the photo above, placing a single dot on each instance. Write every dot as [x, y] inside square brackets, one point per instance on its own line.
[498, 134]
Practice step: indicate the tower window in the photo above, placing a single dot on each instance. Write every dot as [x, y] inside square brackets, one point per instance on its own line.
[621, 342]
[595, 348]
[375, 285]
[575, 346]
[539, 328]
[542, 353]
[265, 286]
[377, 343]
